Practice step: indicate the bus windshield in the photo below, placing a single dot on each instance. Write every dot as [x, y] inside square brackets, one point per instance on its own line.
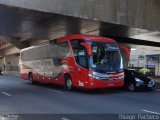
[106, 58]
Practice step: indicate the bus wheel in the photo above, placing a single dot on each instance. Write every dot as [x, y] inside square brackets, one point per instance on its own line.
[68, 83]
[31, 78]
[131, 87]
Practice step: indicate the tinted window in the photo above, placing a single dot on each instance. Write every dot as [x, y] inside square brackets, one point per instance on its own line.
[52, 51]
[38, 53]
[30, 54]
[79, 52]
[63, 49]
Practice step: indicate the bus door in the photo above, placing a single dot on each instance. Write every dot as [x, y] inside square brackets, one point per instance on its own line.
[81, 63]
[61, 61]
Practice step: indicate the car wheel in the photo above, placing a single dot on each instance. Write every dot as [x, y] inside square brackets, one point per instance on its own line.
[131, 87]
[68, 83]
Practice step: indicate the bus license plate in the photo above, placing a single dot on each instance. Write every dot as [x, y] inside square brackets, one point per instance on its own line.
[110, 84]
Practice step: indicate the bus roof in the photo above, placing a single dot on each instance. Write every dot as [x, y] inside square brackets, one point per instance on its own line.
[76, 36]
[32, 47]
[87, 37]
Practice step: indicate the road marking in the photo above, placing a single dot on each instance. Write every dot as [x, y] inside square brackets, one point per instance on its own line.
[55, 91]
[6, 94]
[65, 119]
[151, 112]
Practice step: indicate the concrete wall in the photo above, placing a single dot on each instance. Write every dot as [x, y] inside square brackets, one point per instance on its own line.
[11, 50]
[12, 62]
[137, 13]
[11, 58]
[134, 59]
[157, 69]
[38, 42]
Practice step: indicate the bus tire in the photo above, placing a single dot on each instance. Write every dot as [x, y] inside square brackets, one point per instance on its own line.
[30, 76]
[68, 83]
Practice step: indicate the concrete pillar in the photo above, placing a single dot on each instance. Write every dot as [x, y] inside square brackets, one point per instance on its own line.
[1, 53]
[11, 51]
[2, 64]
[12, 63]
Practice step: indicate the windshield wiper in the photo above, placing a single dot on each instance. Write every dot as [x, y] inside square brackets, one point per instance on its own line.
[117, 71]
[111, 72]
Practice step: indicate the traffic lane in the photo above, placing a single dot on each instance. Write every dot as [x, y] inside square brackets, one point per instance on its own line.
[36, 93]
[69, 117]
[47, 101]
[27, 98]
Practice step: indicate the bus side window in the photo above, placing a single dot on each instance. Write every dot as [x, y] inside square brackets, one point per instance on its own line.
[82, 57]
[74, 44]
[52, 50]
[63, 49]
[79, 52]
[56, 61]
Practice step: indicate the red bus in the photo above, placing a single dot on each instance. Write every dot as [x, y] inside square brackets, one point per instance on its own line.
[81, 61]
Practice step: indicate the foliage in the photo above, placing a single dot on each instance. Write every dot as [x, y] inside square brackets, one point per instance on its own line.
[144, 70]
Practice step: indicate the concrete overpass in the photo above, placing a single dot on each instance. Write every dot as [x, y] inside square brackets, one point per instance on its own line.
[137, 13]
[28, 22]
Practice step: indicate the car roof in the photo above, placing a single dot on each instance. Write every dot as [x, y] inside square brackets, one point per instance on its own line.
[131, 70]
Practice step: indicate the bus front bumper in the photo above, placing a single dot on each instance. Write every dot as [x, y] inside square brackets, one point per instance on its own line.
[95, 84]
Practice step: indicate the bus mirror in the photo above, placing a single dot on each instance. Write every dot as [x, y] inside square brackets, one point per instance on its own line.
[88, 47]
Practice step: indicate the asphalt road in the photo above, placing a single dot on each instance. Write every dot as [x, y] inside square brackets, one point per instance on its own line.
[20, 97]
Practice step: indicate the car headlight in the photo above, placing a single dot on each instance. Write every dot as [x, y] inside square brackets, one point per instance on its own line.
[138, 80]
[151, 81]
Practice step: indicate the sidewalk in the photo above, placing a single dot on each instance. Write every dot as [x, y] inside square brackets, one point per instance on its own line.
[157, 80]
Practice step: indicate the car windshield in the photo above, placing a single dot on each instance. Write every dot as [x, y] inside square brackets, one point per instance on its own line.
[105, 57]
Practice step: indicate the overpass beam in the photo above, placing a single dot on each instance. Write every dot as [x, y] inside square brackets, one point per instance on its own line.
[136, 13]
[14, 41]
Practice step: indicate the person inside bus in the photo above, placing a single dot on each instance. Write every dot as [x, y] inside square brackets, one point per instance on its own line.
[104, 60]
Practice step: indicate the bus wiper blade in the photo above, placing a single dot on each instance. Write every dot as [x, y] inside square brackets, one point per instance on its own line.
[111, 72]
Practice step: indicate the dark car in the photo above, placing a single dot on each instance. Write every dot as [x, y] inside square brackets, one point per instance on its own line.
[1, 72]
[134, 80]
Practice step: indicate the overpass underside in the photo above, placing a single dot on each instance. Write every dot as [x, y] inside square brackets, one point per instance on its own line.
[137, 13]
[22, 27]
[26, 23]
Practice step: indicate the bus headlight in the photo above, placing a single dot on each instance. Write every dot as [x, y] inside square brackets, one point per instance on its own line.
[121, 77]
[93, 76]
